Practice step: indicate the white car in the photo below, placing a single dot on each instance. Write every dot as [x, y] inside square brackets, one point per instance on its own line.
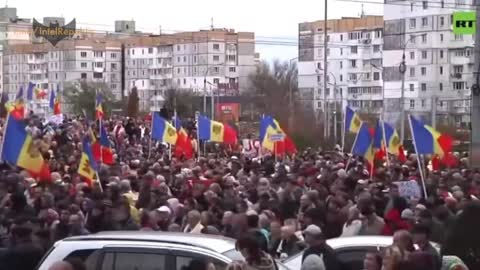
[138, 250]
[350, 250]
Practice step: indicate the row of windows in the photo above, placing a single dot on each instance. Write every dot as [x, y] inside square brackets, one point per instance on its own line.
[365, 90]
[457, 71]
[365, 103]
[455, 86]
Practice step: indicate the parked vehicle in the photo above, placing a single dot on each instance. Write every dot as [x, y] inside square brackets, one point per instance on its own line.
[144, 250]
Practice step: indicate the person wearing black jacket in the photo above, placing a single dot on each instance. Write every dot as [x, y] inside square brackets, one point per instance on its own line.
[23, 254]
[319, 255]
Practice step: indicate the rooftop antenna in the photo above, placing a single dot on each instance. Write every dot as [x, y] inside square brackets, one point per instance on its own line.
[211, 26]
[363, 13]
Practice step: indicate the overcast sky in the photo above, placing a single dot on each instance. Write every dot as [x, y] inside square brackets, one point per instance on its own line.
[272, 21]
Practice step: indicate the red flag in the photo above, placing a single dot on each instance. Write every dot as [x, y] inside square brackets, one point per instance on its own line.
[445, 142]
[401, 154]
[450, 160]
[183, 147]
[435, 163]
[229, 135]
[97, 151]
[380, 154]
[289, 145]
[43, 175]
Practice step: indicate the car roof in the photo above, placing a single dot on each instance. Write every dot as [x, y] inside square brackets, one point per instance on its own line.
[214, 243]
[360, 241]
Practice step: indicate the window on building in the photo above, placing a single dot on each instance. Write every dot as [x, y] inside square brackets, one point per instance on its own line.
[412, 87]
[423, 87]
[353, 63]
[83, 75]
[424, 21]
[150, 50]
[83, 64]
[231, 69]
[441, 70]
[423, 103]
[442, 4]
[83, 54]
[413, 23]
[458, 85]
[184, 81]
[341, 51]
[178, 71]
[376, 48]
[378, 33]
[412, 55]
[232, 58]
[425, 4]
[341, 77]
[184, 59]
[458, 69]
[341, 37]
[376, 76]
[216, 69]
[412, 71]
[319, 78]
[441, 53]
[440, 87]
[194, 59]
[458, 37]
[216, 46]
[216, 58]
[341, 64]
[424, 38]
[412, 104]
[216, 81]
[424, 54]
[354, 49]
[442, 21]
[412, 39]
[97, 75]
[423, 71]
[441, 37]
[178, 48]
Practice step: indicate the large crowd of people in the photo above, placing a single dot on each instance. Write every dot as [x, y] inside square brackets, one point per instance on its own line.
[275, 208]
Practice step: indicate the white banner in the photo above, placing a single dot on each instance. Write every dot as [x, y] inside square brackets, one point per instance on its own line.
[56, 119]
[409, 189]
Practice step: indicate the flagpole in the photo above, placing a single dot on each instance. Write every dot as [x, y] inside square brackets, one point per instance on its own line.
[418, 158]
[151, 133]
[343, 131]
[197, 117]
[385, 141]
[351, 150]
[99, 182]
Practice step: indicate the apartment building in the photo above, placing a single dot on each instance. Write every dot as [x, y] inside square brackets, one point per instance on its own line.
[439, 64]
[216, 61]
[354, 64]
[50, 67]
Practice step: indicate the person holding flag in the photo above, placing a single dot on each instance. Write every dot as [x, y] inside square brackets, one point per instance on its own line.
[214, 131]
[363, 146]
[162, 130]
[386, 139]
[55, 101]
[269, 128]
[17, 107]
[183, 147]
[99, 107]
[88, 167]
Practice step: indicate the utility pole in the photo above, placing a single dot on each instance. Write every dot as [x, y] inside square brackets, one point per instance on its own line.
[335, 111]
[325, 74]
[402, 68]
[475, 99]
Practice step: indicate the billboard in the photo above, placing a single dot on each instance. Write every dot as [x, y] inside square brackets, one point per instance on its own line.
[227, 112]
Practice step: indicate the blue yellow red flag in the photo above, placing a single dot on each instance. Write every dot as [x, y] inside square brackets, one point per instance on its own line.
[214, 131]
[88, 167]
[352, 121]
[162, 130]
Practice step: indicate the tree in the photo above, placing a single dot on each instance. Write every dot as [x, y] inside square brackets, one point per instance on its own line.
[272, 87]
[132, 107]
[184, 101]
[80, 97]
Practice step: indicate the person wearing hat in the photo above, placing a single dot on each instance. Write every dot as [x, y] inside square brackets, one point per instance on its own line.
[319, 255]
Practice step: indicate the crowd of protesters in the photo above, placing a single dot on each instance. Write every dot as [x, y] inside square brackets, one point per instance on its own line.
[275, 208]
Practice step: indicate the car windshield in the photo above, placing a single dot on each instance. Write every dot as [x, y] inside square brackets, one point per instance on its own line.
[234, 255]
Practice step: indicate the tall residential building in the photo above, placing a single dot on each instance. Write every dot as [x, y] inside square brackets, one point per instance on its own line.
[217, 61]
[439, 64]
[354, 64]
[50, 67]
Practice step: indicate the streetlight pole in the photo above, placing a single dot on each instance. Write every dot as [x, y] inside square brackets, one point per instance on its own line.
[403, 68]
[325, 72]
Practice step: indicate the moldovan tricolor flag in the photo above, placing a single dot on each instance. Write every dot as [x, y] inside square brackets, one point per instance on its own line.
[214, 131]
[88, 167]
[162, 130]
